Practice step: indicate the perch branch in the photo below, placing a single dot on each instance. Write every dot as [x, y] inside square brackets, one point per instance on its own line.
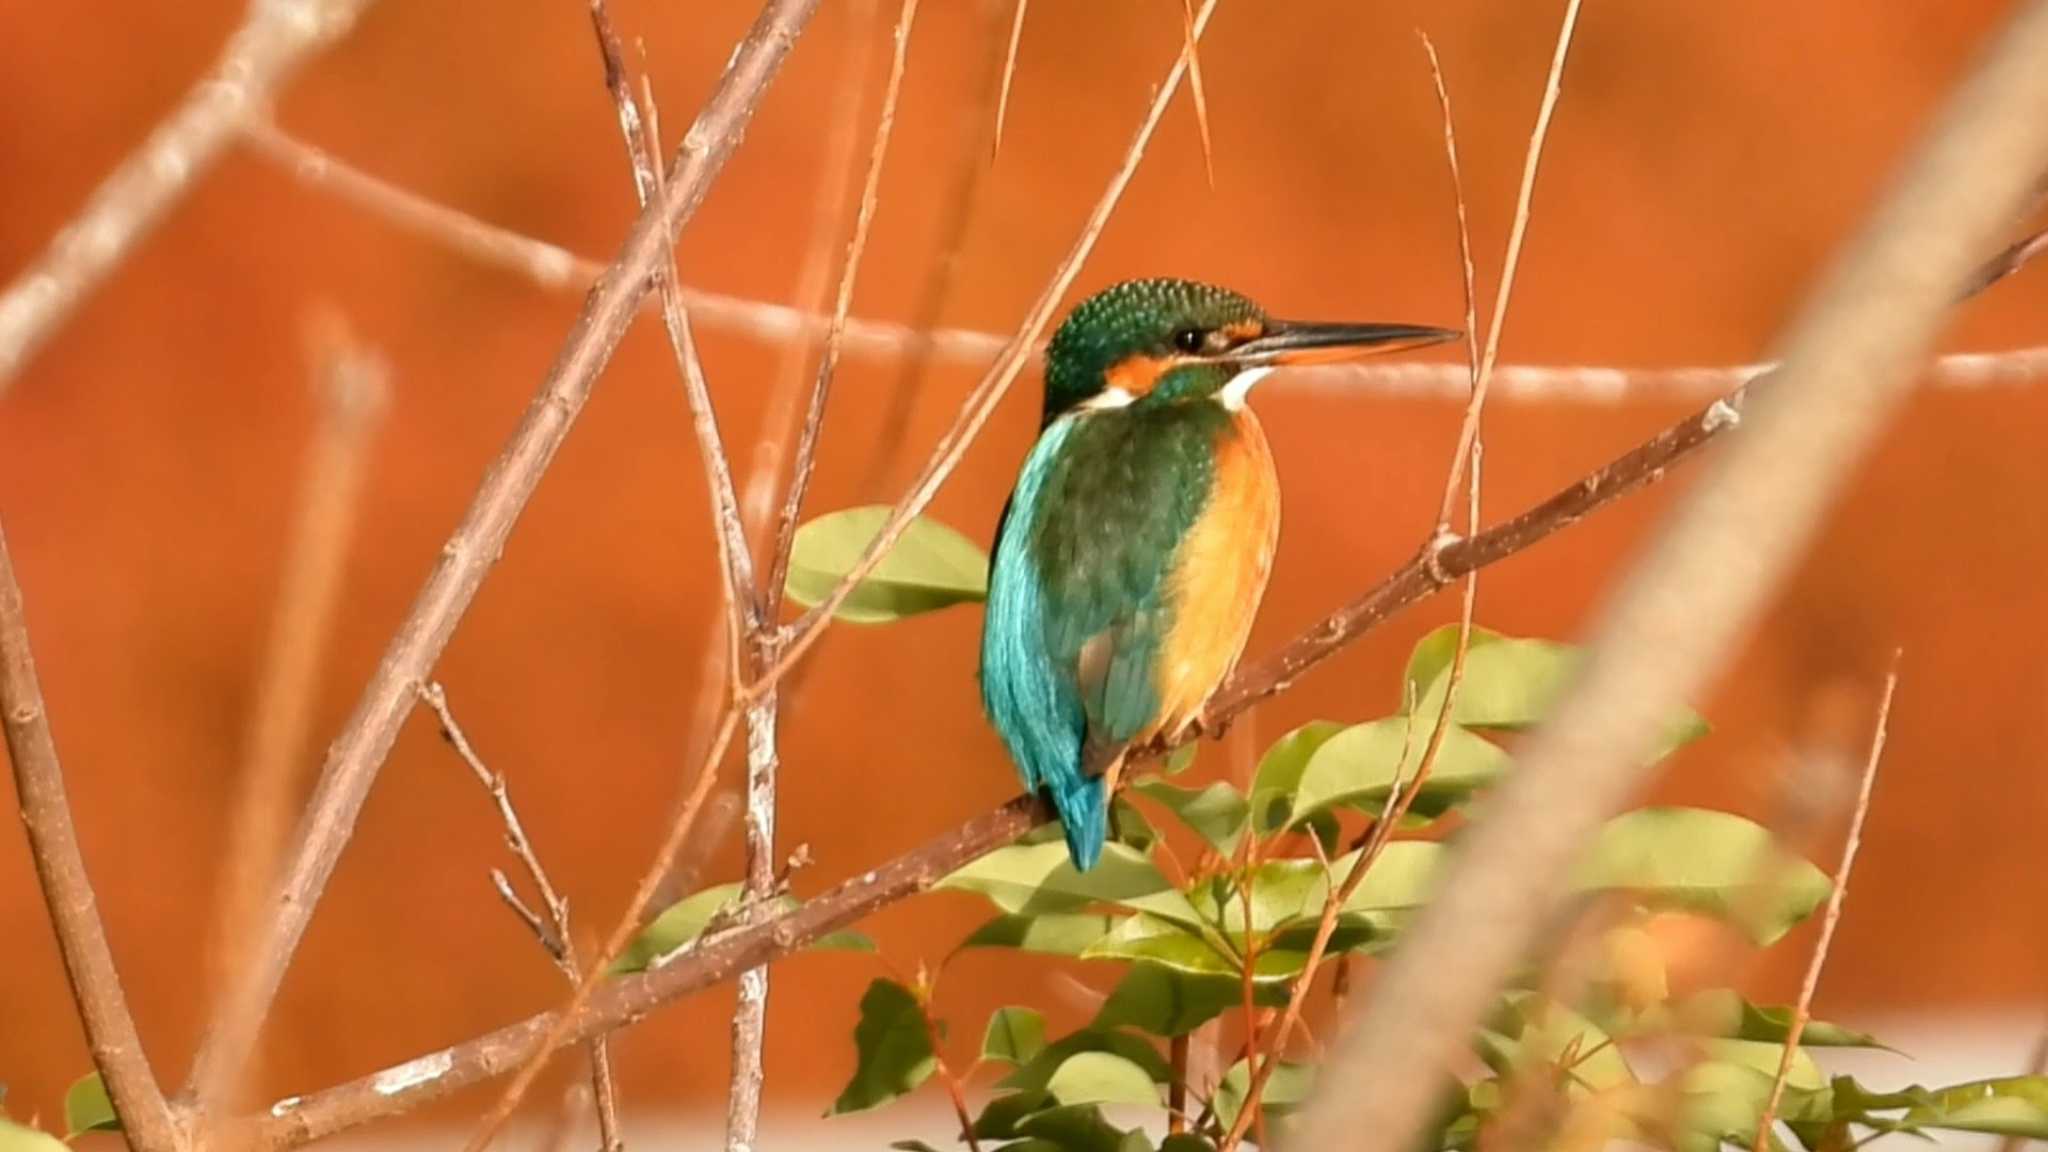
[1847, 361]
[1833, 916]
[553, 931]
[355, 757]
[274, 40]
[67, 890]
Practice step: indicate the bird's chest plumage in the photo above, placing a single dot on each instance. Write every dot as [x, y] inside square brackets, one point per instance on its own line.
[1153, 538]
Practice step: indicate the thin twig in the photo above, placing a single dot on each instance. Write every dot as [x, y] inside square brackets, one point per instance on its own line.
[1197, 90]
[1848, 359]
[1480, 369]
[352, 390]
[356, 756]
[974, 126]
[552, 267]
[556, 1026]
[842, 304]
[274, 40]
[67, 889]
[554, 934]
[955, 1090]
[1009, 73]
[1803, 1009]
[828, 210]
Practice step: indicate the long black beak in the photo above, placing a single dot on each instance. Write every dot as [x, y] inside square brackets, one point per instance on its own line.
[1297, 342]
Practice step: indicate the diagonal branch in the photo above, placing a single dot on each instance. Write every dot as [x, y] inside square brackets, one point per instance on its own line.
[355, 757]
[276, 38]
[67, 890]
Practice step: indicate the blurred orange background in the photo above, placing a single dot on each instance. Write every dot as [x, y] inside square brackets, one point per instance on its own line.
[1705, 161]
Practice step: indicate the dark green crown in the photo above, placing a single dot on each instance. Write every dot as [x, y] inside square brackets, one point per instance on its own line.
[1159, 317]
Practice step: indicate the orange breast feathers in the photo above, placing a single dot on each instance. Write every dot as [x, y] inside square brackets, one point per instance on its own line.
[1219, 574]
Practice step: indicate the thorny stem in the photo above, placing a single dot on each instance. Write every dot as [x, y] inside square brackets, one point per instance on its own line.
[67, 889]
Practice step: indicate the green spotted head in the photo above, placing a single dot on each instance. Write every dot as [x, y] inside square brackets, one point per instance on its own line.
[1165, 341]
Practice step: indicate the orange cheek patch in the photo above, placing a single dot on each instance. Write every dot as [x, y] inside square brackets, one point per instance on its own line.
[1139, 374]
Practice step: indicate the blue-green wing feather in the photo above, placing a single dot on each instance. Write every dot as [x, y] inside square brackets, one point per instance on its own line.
[1079, 594]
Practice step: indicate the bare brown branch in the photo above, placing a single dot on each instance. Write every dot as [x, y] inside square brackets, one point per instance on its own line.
[355, 757]
[67, 890]
[276, 38]
[1833, 916]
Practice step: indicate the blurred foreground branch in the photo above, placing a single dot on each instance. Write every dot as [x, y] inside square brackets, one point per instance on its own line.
[275, 38]
[1847, 365]
[552, 267]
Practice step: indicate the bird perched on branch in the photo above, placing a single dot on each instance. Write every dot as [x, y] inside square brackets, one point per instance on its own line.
[1132, 554]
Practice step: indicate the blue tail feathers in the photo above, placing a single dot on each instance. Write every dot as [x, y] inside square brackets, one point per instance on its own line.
[1080, 802]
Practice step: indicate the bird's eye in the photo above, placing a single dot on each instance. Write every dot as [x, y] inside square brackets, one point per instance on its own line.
[1188, 340]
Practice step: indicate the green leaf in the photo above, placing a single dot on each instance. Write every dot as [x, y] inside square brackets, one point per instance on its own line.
[681, 924]
[1179, 760]
[931, 567]
[1534, 1027]
[2009, 1106]
[1162, 942]
[1156, 999]
[1724, 1012]
[1509, 683]
[87, 1107]
[1186, 1142]
[1102, 1078]
[1129, 827]
[895, 1050]
[1030, 879]
[999, 1120]
[1076, 1128]
[1036, 1076]
[1704, 861]
[1216, 813]
[1014, 1036]
[1285, 1091]
[22, 1138]
[912, 1146]
[1279, 773]
[1357, 767]
[1052, 933]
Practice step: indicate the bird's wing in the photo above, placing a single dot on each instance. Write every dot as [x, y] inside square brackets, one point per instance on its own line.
[1112, 514]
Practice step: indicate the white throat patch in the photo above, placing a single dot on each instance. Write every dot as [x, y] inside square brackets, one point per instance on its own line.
[1240, 386]
[1106, 399]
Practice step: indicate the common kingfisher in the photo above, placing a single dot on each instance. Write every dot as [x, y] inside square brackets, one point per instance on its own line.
[1132, 554]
